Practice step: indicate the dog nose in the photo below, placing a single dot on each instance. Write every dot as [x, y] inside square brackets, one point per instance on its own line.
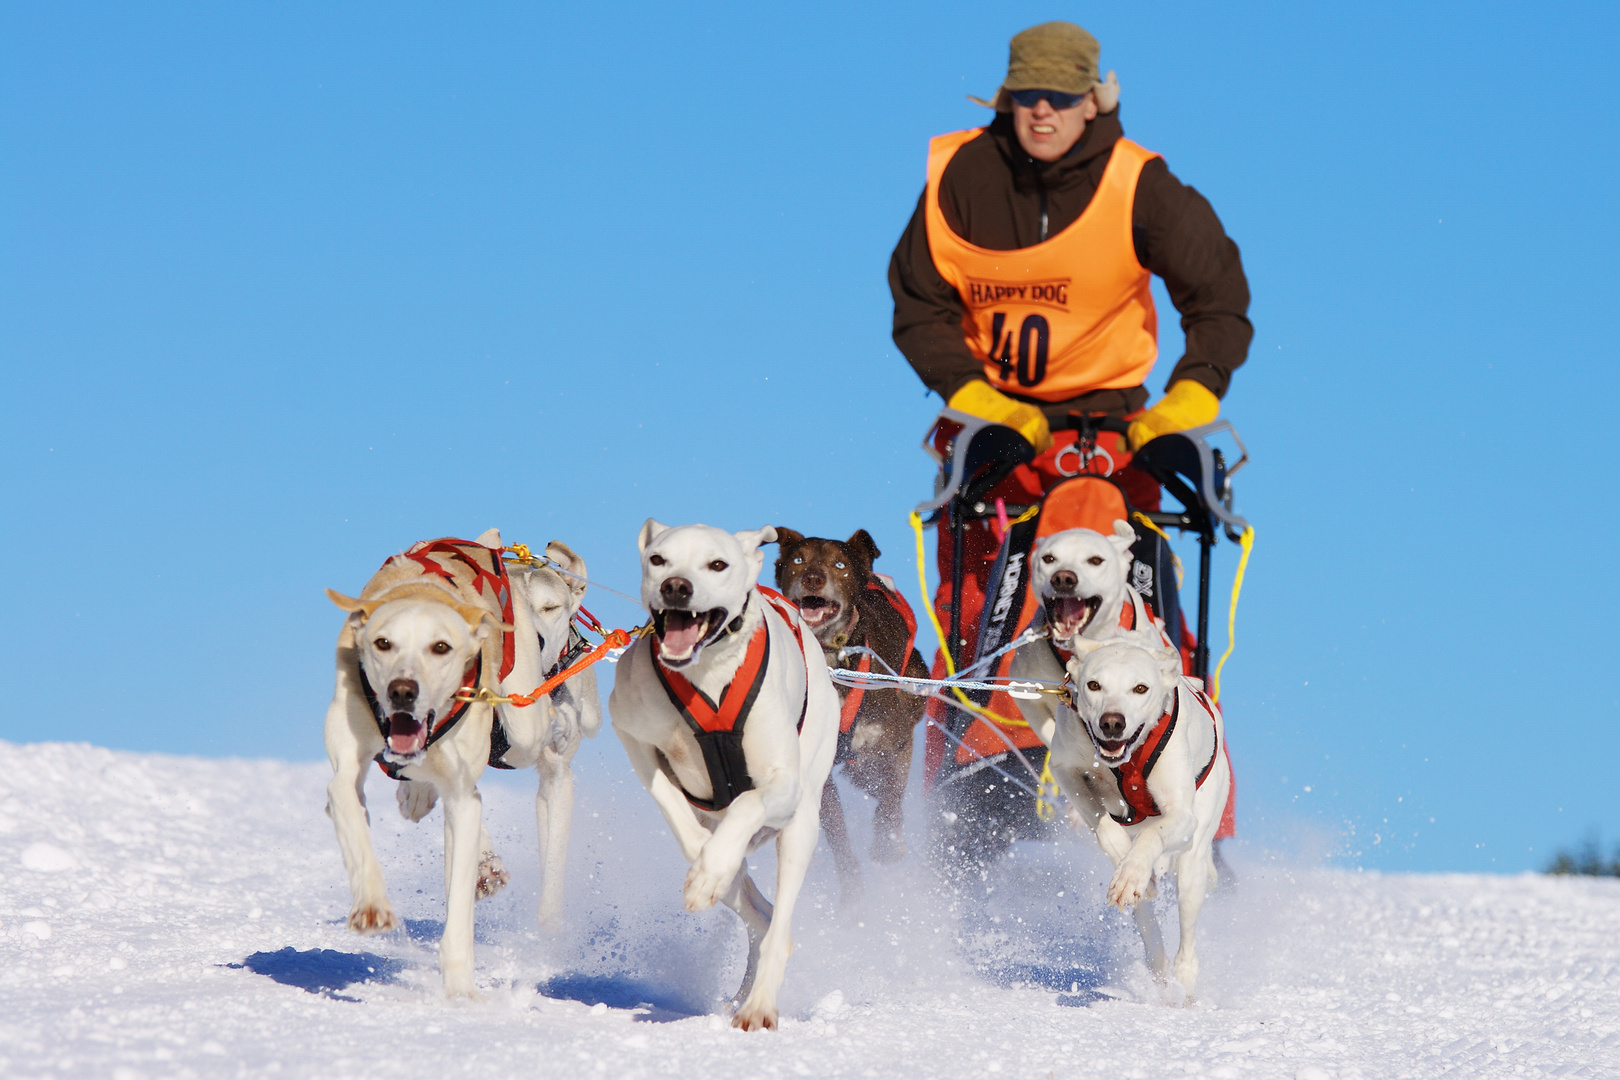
[1112, 725]
[676, 590]
[402, 694]
[813, 579]
[1065, 581]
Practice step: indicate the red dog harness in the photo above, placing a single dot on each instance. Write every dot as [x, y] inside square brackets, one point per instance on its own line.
[857, 695]
[1132, 776]
[718, 727]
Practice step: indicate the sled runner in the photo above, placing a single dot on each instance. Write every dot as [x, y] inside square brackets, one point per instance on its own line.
[994, 501]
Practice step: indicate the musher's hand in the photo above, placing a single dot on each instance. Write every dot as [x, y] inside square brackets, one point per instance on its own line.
[1187, 405]
[979, 398]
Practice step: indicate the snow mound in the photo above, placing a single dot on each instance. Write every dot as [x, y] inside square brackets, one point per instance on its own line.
[166, 916]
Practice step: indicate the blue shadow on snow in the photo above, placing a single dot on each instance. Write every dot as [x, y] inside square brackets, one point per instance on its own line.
[657, 1004]
[322, 971]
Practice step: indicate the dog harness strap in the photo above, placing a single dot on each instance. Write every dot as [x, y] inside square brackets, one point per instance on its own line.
[719, 728]
[469, 680]
[790, 615]
[1132, 776]
[852, 700]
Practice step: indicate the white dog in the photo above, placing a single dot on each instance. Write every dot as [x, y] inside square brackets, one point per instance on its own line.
[731, 724]
[1082, 580]
[442, 619]
[1140, 759]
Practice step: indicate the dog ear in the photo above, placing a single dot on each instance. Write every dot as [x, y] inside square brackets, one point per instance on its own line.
[563, 555]
[1124, 539]
[786, 538]
[862, 544]
[751, 539]
[359, 610]
[477, 616]
[490, 538]
[649, 529]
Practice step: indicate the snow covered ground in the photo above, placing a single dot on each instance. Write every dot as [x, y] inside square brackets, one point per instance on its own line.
[166, 916]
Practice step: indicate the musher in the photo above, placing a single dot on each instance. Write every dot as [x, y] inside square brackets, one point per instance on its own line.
[1021, 290]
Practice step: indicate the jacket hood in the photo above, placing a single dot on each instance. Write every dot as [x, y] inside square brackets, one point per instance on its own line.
[1096, 141]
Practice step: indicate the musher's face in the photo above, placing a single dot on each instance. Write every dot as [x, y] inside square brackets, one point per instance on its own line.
[1045, 133]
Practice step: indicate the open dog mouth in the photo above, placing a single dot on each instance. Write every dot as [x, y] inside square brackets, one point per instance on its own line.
[819, 611]
[679, 632]
[407, 736]
[1069, 615]
[1113, 751]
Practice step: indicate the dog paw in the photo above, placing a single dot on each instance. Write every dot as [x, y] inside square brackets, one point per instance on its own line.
[1129, 884]
[416, 799]
[704, 885]
[492, 876]
[888, 847]
[373, 919]
[755, 1016]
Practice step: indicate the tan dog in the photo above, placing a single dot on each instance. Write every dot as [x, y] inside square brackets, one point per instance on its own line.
[437, 622]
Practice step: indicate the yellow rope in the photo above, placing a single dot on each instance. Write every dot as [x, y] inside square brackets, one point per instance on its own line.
[1174, 558]
[1247, 540]
[933, 617]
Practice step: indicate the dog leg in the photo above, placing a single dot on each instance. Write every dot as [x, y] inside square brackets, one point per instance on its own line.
[795, 844]
[755, 911]
[346, 806]
[850, 889]
[1192, 885]
[463, 821]
[1147, 924]
[553, 815]
[889, 788]
[416, 798]
[492, 875]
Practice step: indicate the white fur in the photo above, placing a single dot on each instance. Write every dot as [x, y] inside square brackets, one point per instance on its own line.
[788, 767]
[1101, 565]
[1134, 678]
[544, 734]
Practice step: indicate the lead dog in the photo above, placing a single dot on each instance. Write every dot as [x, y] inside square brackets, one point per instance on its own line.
[730, 723]
[846, 604]
[1140, 759]
[1082, 580]
[545, 735]
[433, 622]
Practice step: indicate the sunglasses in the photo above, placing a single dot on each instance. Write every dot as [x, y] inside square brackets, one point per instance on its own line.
[1031, 98]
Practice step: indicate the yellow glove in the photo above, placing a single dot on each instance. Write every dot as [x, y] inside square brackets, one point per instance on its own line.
[979, 398]
[1187, 405]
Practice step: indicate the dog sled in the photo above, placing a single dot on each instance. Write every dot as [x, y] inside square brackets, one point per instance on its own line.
[994, 500]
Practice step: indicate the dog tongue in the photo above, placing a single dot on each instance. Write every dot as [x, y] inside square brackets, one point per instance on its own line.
[682, 632]
[1071, 614]
[406, 735]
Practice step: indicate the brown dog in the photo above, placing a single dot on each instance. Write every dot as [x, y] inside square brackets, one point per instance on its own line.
[847, 605]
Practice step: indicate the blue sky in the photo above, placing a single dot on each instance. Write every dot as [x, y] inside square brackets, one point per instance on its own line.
[284, 288]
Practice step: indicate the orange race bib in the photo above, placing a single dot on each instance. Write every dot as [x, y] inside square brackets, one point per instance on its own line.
[1069, 315]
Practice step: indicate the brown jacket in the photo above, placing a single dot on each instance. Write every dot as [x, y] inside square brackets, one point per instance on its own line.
[996, 196]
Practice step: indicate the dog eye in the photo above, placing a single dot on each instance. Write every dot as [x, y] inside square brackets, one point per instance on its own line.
[382, 644]
[839, 565]
[441, 647]
[1093, 685]
[1139, 688]
[797, 560]
[1095, 560]
[655, 560]
[1049, 558]
[718, 565]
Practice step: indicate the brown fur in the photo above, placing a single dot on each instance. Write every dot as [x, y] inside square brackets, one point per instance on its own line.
[883, 730]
